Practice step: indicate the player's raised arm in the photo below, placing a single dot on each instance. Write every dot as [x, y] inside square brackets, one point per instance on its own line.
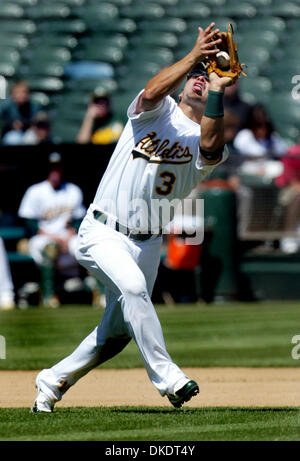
[168, 80]
[212, 122]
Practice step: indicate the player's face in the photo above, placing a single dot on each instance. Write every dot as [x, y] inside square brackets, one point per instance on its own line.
[196, 87]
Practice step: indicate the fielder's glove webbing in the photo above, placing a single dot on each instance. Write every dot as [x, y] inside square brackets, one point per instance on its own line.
[235, 68]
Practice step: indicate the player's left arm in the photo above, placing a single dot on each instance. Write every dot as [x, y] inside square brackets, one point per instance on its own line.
[212, 123]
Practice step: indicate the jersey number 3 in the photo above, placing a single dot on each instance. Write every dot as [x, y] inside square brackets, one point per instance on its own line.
[168, 183]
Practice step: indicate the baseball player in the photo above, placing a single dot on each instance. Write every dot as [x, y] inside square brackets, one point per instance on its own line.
[163, 152]
[51, 209]
[6, 284]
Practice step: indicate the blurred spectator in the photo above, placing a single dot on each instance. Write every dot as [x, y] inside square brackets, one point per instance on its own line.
[99, 125]
[258, 139]
[38, 133]
[257, 145]
[234, 103]
[6, 285]
[289, 198]
[17, 112]
[231, 126]
[53, 210]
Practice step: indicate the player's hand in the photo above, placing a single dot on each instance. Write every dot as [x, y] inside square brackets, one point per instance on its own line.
[217, 83]
[206, 43]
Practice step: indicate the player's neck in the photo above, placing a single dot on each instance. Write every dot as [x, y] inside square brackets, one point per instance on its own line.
[194, 112]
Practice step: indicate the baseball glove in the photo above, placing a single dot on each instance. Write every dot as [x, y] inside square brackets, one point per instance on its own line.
[229, 46]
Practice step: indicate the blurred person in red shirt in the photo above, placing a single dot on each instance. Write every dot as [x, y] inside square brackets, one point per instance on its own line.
[289, 198]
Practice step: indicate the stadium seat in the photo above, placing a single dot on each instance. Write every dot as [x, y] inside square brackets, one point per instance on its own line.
[238, 10]
[72, 98]
[292, 36]
[206, 2]
[283, 107]
[103, 12]
[43, 54]
[9, 55]
[40, 98]
[122, 26]
[142, 11]
[256, 90]
[17, 41]
[256, 3]
[114, 2]
[25, 2]
[291, 67]
[11, 11]
[258, 55]
[161, 56]
[70, 113]
[17, 27]
[266, 39]
[288, 132]
[192, 11]
[51, 10]
[51, 69]
[292, 24]
[54, 40]
[87, 86]
[138, 83]
[283, 10]
[94, 41]
[120, 104]
[148, 69]
[45, 84]
[175, 25]
[274, 24]
[288, 52]
[65, 130]
[69, 3]
[74, 26]
[164, 3]
[148, 39]
[7, 69]
[110, 54]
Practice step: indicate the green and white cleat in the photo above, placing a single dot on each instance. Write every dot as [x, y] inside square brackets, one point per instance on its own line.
[184, 394]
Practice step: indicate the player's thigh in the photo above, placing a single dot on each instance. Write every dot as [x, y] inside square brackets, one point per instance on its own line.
[149, 259]
[106, 255]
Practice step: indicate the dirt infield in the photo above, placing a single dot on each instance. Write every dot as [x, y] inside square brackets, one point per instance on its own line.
[245, 387]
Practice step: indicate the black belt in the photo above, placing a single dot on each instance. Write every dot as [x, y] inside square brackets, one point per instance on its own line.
[102, 217]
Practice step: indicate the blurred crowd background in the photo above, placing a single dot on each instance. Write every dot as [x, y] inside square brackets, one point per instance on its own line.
[71, 69]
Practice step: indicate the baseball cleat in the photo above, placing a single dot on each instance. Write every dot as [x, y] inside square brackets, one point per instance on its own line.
[42, 404]
[184, 394]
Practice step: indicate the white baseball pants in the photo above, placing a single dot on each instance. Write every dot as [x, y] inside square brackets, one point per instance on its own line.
[6, 284]
[128, 269]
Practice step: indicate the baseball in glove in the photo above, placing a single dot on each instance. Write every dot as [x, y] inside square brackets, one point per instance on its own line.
[230, 67]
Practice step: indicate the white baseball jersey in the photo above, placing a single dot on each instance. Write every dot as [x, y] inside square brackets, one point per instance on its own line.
[53, 208]
[157, 157]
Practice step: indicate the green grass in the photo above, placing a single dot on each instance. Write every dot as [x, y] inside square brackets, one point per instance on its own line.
[154, 424]
[240, 334]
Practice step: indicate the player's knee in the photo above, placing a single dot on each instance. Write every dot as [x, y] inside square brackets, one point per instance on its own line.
[135, 287]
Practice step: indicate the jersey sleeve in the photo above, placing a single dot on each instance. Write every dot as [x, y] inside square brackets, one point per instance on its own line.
[165, 105]
[204, 169]
[30, 204]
